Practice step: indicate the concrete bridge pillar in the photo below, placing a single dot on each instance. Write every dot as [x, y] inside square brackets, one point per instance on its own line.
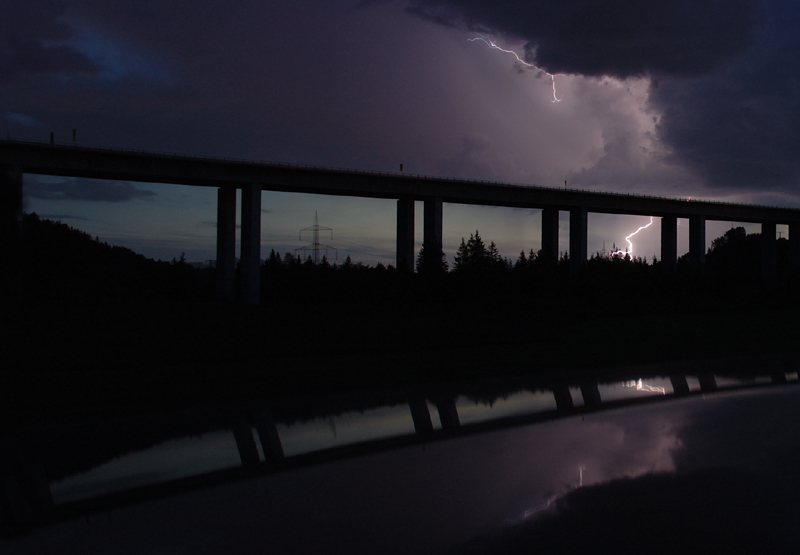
[563, 397]
[250, 259]
[432, 227]
[591, 395]
[679, 384]
[708, 383]
[794, 246]
[10, 231]
[245, 443]
[778, 376]
[769, 251]
[226, 243]
[405, 235]
[448, 414]
[420, 415]
[697, 242]
[550, 233]
[669, 243]
[268, 436]
[578, 231]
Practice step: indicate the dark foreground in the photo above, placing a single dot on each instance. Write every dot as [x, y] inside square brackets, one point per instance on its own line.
[102, 331]
[95, 359]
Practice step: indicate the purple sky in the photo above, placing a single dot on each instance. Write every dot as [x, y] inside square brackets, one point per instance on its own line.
[687, 98]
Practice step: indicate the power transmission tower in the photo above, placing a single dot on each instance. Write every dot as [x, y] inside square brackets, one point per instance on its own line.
[315, 246]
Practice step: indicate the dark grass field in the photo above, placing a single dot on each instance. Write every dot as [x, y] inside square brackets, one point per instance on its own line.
[71, 361]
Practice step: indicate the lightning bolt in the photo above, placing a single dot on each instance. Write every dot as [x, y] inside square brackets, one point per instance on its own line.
[628, 239]
[552, 76]
[644, 387]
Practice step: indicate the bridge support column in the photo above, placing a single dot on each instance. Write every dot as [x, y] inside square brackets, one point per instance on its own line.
[578, 231]
[250, 259]
[550, 233]
[769, 251]
[226, 244]
[697, 242]
[10, 231]
[420, 415]
[245, 443]
[563, 397]
[679, 384]
[669, 243]
[432, 228]
[708, 383]
[794, 246]
[448, 414]
[591, 395]
[405, 235]
[268, 436]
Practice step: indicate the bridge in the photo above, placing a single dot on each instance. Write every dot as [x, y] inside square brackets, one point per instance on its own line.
[19, 157]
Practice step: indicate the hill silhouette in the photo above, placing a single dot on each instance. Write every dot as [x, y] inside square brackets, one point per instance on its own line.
[60, 261]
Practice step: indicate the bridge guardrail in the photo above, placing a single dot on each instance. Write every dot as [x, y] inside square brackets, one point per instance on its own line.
[245, 161]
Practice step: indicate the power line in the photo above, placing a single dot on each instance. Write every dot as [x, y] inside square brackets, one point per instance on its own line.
[315, 246]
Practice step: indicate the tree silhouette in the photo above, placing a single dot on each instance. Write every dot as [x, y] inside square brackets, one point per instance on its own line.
[474, 256]
[429, 263]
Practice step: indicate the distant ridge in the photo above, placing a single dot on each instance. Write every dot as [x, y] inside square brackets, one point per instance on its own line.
[60, 261]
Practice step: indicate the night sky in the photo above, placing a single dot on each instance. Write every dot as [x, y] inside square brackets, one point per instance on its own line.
[683, 98]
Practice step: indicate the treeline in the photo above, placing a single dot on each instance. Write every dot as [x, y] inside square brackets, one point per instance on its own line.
[479, 274]
[63, 262]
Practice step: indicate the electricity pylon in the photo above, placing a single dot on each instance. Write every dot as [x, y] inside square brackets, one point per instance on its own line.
[315, 246]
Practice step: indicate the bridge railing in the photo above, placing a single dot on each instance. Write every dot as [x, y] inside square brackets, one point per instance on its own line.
[266, 163]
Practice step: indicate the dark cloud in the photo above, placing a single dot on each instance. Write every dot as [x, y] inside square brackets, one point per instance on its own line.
[85, 190]
[32, 39]
[213, 223]
[723, 74]
[59, 217]
[739, 127]
[29, 58]
[619, 38]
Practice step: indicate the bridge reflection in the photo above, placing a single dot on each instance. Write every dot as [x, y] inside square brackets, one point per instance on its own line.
[62, 472]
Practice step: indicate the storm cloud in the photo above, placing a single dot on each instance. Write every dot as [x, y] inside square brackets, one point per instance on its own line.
[678, 98]
[723, 74]
[85, 190]
[617, 38]
[30, 42]
[737, 127]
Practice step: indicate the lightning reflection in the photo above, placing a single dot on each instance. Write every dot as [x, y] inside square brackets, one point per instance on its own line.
[528, 513]
[644, 387]
[552, 76]
[629, 252]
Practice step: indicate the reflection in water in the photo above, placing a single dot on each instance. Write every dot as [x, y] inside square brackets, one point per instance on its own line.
[432, 494]
[632, 389]
[216, 450]
[523, 402]
[346, 428]
[542, 508]
[645, 387]
[171, 460]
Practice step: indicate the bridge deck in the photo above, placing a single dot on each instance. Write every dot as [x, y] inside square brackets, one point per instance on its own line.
[100, 163]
